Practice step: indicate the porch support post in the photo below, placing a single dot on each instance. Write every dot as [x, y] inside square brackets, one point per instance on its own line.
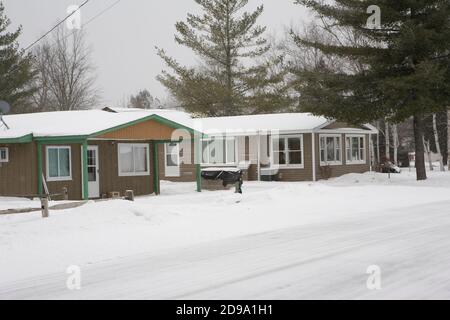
[155, 168]
[313, 148]
[197, 160]
[85, 170]
[39, 169]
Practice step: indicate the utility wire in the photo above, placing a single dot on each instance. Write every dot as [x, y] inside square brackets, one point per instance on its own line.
[90, 20]
[56, 26]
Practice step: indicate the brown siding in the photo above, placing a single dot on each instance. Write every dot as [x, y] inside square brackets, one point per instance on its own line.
[147, 130]
[339, 170]
[73, 186]
[18, 177]
[187, 170]
[109, 171]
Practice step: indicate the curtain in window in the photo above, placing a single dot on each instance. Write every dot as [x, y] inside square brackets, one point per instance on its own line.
[126, 158]
[64, 162]
[140, 159]
[53, 163]
[330, 149]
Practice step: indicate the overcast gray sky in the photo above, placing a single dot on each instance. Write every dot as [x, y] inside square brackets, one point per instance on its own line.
[123, 38]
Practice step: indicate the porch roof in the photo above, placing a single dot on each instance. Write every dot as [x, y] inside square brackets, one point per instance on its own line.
[282, 122]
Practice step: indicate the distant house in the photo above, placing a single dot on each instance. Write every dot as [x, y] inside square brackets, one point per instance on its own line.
[91, 153]
[95, 152]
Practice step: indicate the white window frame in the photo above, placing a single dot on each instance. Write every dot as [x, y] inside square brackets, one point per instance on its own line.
[349, 147]
[330, 163]
[47, 158]
[6, 150]
[133, 174]
[287, 166]
[226, 139]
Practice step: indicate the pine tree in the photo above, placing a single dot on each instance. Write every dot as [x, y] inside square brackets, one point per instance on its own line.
[15, 67]
[230, 80]
[405, 64]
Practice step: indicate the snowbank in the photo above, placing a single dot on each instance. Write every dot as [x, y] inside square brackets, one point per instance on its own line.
[99, 231]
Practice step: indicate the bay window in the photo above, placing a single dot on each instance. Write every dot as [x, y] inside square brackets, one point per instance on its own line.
[330, 150]
[288, 151]
[134, 159]
[59, 163]
[356, 149]
[219, 151]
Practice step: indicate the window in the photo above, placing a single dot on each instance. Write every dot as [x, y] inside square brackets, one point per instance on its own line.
[330, 150]
[288, 151]
[172, 154]
[134, 159]
[219, 151]
[356, 150]
[59, 163]
[4, 155]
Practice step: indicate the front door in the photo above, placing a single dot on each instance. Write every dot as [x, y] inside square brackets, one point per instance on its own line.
[93, 172]
[172, 159]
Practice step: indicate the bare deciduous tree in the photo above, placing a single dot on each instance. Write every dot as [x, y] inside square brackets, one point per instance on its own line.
[65, 78]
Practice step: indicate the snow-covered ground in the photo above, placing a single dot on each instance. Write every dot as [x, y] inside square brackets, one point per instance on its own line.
[277, 240]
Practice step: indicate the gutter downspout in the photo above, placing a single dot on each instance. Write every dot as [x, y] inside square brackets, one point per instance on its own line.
[85, 170]
[197, 160]
[39, 168]
[313, 148]
[259, 155]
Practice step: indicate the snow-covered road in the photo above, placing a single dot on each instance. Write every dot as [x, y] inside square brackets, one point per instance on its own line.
[317, 260]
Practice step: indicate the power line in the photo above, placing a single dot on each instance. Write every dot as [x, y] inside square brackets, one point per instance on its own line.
[102, 12]
[92, 19]
[89, 21]
[56, 26]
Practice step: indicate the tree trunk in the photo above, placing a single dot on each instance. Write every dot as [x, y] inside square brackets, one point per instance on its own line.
[388, 142]
[395, 142]
[438, 147]
[421, 172]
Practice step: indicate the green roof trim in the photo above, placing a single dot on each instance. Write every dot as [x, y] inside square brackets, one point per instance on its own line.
[61, 139]
[25, 139]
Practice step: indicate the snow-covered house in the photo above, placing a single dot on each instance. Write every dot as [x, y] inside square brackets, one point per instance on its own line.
[278, 147]
[95, 152]
[90, 153]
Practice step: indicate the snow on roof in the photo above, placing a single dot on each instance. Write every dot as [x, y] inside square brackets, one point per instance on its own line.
[80, 123]
[264, 122]
[88, 122]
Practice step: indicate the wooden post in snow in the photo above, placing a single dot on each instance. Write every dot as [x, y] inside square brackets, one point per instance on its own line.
[44, 207]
